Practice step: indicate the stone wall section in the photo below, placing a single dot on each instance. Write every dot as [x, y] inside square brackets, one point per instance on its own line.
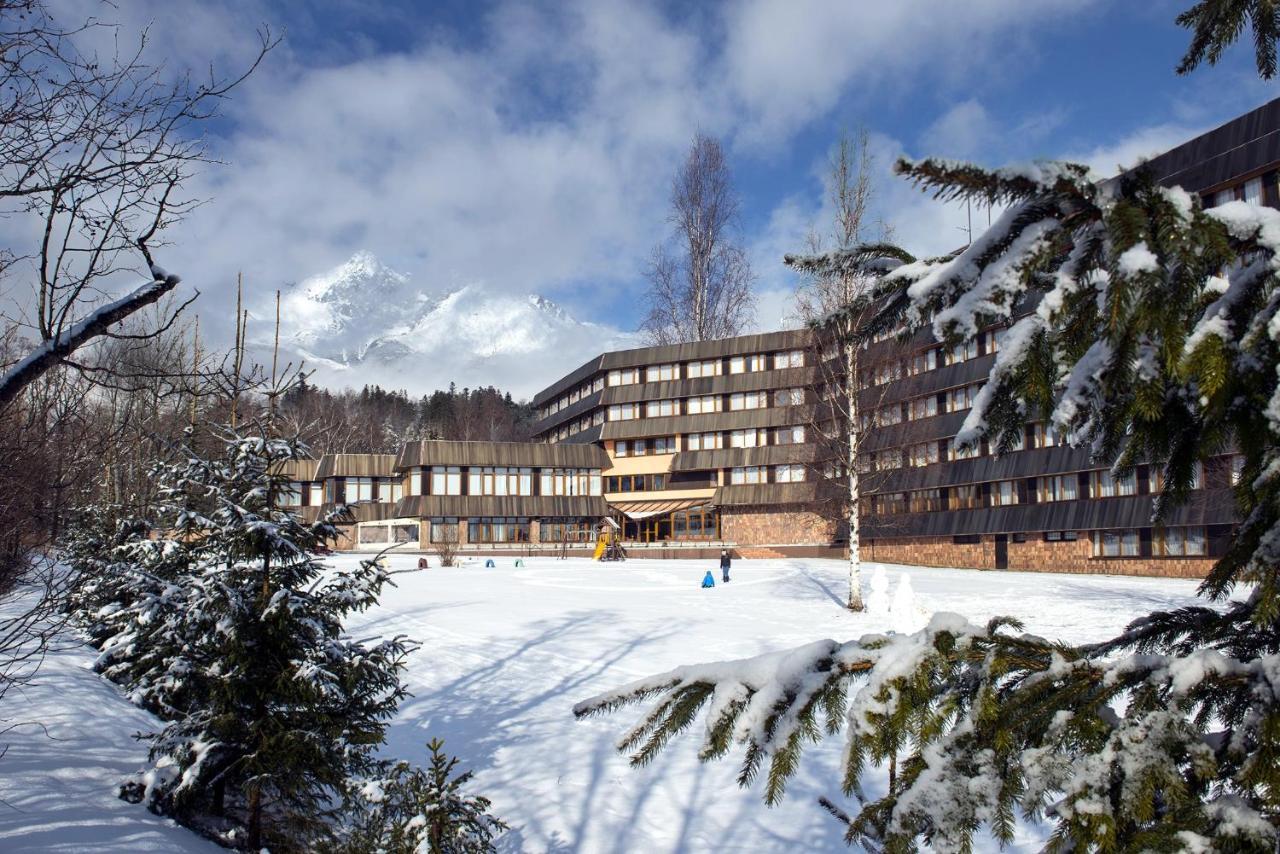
[1034, 555]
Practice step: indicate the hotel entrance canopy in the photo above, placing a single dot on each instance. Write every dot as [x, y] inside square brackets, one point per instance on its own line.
[637, 510]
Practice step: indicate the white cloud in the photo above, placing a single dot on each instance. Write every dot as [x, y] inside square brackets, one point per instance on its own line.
[536, 157]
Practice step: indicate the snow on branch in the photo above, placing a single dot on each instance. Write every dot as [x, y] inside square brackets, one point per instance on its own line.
[68, 340]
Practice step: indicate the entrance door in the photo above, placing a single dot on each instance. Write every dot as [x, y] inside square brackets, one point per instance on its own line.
[1002, 551]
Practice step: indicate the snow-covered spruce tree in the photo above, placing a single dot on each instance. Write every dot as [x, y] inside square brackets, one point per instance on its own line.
[405, 809]
[271, 708]
[1149, 334]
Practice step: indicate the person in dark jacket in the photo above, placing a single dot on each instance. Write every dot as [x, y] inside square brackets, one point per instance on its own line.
[724, 563]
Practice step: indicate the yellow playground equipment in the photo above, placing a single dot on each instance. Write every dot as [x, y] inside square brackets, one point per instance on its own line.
[608, 542]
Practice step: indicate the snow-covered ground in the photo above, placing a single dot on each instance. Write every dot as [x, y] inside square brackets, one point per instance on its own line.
[507, 652]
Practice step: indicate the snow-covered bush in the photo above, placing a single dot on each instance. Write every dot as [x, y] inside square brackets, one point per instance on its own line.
[1148, 330]
[405, 810]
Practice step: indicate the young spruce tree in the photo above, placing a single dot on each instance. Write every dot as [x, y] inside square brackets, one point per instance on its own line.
[223, 621]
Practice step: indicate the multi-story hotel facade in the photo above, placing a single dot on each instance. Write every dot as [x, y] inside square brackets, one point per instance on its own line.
[688, 448]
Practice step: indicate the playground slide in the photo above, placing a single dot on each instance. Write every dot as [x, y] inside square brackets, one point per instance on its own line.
[600, 547]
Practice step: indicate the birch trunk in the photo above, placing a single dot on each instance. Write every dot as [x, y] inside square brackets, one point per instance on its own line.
[854, 427]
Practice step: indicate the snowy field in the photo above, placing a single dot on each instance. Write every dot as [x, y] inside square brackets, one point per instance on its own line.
[507, 652]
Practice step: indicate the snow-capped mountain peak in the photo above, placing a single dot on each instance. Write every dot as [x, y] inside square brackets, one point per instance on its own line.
[364, 322]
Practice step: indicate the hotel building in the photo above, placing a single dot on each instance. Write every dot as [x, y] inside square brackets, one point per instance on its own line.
[689, 448]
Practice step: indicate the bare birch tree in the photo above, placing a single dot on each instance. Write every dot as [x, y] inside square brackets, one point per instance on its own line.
[841, 420]
[700, 278]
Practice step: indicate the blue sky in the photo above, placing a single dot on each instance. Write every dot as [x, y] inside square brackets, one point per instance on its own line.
[529, 146]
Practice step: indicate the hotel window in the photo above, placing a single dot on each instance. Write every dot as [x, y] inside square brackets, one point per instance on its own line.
[1197, 477]
[964, 497]
[788, 435]
[390, 491]
[702, 405]
[746, 474]
[925, 501]
[499, 480]
[358, 489]
[1058, 487]
[444, 529]
[746, 364]
[1061, 536]
[923, 454]
[1104, 485]
[788, 474]
[566, 530]
[924, 361]
[661, 373]
[749, 438]
[498, 529]
[1223, 196]
[415, 481]
[1044, 435]
[446, 480]
[597, 384]
[748, 400]
[789, 359]
[291, 494]
[702, 442]
[570, 482]
[891, 503]
[887, 416]
[994, 339]
[317, 494]
[886, 372]
[659, 408]
[625, 376]
[923, 407]
[956, 451]
[1182, 542]
[788, 397]
[597, 417]
[662, 445]
[696, 523]
[962, 352]
[621, 448]
[708, 368]
[1115, 543]
[1253, 191]
[1004, 493]
[1237, 469]
[624, 411]
[961, 398]
[890, 459]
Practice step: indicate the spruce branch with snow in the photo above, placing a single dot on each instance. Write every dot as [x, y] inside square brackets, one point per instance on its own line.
[1145, 328]
[1216, 25]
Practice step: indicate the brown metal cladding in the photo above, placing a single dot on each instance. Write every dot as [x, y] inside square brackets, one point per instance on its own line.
[297, 469]
[765, 342]
[439, 452]
[729, 457]
[710, 422]
[470, 506]
[1212, 506]
[365, 511]
[1245, 144]
[356, 465]
[571, 412]
[807, 492]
